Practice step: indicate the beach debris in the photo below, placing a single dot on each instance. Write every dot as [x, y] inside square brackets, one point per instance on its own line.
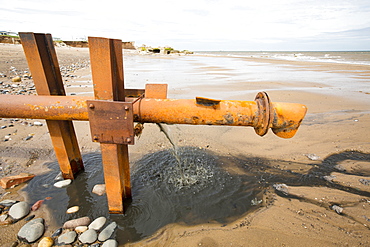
[32, 231]
[7, 182]
[364, 181]
[99, 189]
[37, 205]
[283, 188]
[19, 210]
[337, 209]
[312, 157]
[71, 224]
[63, 183]
[73, 209]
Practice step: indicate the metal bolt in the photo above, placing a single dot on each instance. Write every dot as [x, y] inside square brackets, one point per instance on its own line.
[91, 106]
[95, 138]
[127, 108]
[128, 140]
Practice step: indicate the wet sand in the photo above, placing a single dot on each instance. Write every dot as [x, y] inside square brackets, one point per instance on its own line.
[335, 131]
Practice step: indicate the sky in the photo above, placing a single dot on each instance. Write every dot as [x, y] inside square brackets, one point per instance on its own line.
[200, 25]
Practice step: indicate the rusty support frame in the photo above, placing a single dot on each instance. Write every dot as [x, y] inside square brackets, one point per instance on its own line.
[43, 63]
[107, 73]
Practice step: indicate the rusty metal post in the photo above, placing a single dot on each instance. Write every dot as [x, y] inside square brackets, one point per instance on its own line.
[107, 73]
[43, 64]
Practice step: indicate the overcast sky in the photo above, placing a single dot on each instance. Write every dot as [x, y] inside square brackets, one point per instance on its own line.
[200, 24]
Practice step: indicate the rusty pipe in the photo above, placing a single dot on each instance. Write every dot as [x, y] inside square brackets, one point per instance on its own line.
[283, 118]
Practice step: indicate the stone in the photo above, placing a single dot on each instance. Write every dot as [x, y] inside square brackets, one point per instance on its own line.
[8, 203]
[7, 182]
[88, 237]
[98, 223]
[32, 230]
[313, 157]
[107, 232]
[37, 124]
[57, 232]
[19, 210]
[83, 221]
[110, 243]
[73, 209]
[16, 79]
[337, 209]
[63, 183]
[3, 217]
[46, 242]
[283, 188]
[99, 189]
[67, 238]
[81, 229]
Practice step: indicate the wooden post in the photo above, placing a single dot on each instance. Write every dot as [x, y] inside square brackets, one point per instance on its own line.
[43, 64]
[107, 73]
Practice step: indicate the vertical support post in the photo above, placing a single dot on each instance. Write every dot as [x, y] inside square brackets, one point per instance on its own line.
[107, 73]
[43, 64]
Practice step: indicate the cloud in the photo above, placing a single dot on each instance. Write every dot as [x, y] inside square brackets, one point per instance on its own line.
[220, 22]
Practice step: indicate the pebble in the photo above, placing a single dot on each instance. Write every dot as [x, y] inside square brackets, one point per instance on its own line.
[57, 232]
[67, 238]
[63, 183]
[88, 237]
[19, 210]
[3, 217]
[37, 124]
[337, 209]
[98, 223]
[81, 229]
[99, 189]
[110, 243]
[46, 242]
[312, 156]
[282, 188]
[30, 217]
[83, 221]
[107, 232]
[16, 79]
[73, 209]
[32, 230]
[8, 203]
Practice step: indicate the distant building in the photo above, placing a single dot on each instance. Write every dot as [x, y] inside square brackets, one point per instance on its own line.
[8, 33]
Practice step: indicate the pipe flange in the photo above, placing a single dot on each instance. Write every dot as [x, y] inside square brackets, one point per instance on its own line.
[264, 114]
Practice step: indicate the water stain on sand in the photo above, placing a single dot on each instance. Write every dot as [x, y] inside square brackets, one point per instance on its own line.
[204, 188]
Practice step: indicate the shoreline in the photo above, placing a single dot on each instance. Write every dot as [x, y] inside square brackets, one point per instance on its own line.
[336, 125]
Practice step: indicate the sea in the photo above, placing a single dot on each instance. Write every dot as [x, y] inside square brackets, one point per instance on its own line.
[350, 57]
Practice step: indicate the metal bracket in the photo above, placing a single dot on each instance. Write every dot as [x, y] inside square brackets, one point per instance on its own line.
[111, 121]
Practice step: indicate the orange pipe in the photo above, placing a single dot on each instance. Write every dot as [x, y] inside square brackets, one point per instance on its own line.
[284, 121]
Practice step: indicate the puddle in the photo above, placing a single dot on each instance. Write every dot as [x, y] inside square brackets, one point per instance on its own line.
[198, 190]
[203, 188]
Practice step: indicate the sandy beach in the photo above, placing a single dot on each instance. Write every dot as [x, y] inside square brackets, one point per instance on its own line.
[296, 182]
